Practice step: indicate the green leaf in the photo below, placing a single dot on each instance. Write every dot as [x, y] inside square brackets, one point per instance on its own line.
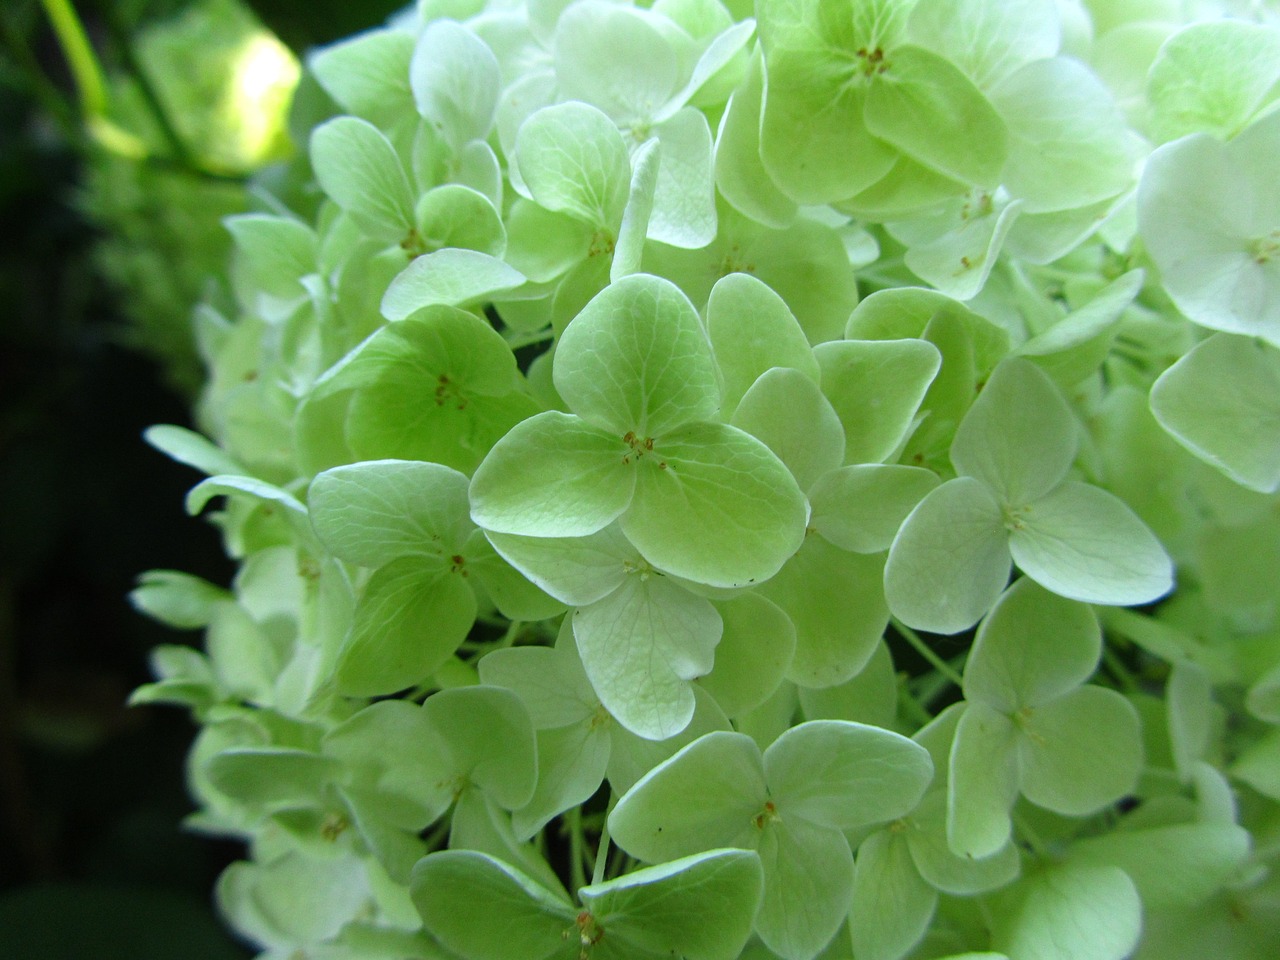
[636, 360]
[808, 886]
[983, 782]
[699, 907]
[1033, 647]
[1213, 77]
[751, 330]
[788, 412]
[552, 475]
[861, 507]
[950, 559]
[484, 909]
[1065, 773]
[411, 617]
[717, 507]
[1070, 912]
[1222, 402]
[922, 104]
[754, 652]
[836, 601]
[641, 646]
[455, 80]
[703, 797]
[1085, 543]
[1019, 437]
[845, 775]
[357, 166]
[374, 512]
[876, 387]
[892, 905]
[573, 160]
[454, 277]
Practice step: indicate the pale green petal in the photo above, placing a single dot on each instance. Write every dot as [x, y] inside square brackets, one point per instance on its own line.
[704, 797]
[549, 682]
[844, 774]
[1070, 912]
[455, 80]
[368, 74]
[786, 410]
[641, 646]
[987, 39]
[717, 507]
[1033, 647]
[357, 166]
[489, 740]
[1085, 543]
[808, 876]
[751, 330]
[950, 559]
[1222, 402]
[1065, 772]
[636, 360]
[452, 276]
[1019, 437]
[876, 387]
[892, 905]
[684, 201]
[861, 507]
[573, 160]
[870, 697]
[552, 475]
[571, 766]
[753, 654]
[926, 836]
[577, 570]
[983, 782]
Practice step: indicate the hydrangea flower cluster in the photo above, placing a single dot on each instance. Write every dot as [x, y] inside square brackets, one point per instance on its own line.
[693, 467]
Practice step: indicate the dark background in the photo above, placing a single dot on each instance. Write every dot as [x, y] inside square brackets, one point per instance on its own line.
[93, 862]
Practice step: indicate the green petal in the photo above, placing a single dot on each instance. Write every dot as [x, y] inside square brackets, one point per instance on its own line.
[549, 682]
[923, 105]
[1064, 772]
[270, 777]
[455, 80]
[357, 166]
[870, 697]
[752, 329]
[714, 505]
[571, 767]
[368, 75]
[1034, 646]
[987, 39]
[511, 592]
[1085, 543]
[836, 601]
[892, 905]
[876, 387]
[740, 175]
[787, 412]
[861, 508]
[552, 475]
[641, 646]
[753, 654]
[1019, 437]
[684, 200]
[983, 782]
[1070, 912]
[939, 867]
[573, 160]
[845, 775]
[484, 909]
[808, 886]
[489, 740]
[374, 512]
[1222, 402]
[704, 797]
[699, 907]
[950, 559]
[636, 360]
[411, 617]
[454, 277]
[577, 570]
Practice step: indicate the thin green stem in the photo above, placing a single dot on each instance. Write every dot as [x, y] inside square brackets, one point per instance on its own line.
[516, 340]
[573, 823]
[923, 649]
[1117, 669]
[91, 87]
[602, 854]
[1037, 845]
